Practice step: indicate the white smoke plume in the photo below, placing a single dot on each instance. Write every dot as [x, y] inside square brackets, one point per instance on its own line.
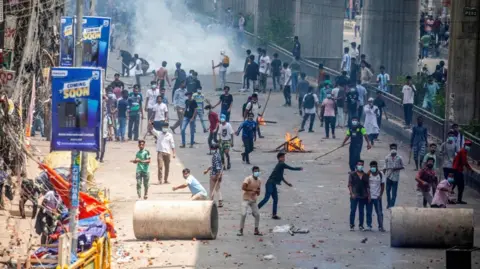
[173, 35]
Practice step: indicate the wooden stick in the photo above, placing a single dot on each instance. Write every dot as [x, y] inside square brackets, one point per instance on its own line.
[331, 151]
[283, 144]
[266, 103]
[214, 77]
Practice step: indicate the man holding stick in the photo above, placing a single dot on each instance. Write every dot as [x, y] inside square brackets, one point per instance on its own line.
[356, 133]
[254, 107]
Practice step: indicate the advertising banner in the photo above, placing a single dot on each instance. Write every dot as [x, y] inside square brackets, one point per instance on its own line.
[76, 108]
[96, 39]
[10, 32]
[67, 41]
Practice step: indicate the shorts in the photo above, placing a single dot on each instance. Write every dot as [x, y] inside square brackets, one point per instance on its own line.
[225, 144]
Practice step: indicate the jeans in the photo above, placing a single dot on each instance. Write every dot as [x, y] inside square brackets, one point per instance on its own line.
[101, 152]
[377, 204]
[254, 84]
[408, 113]
[270, 190]
[137, 79]
[300, 103]
[227, 115]
[360, 113]
[460, 182]
[223, 78]
[253, 205]
[122, 123]
[312, 120]
[294, 82]
[200, 117]
[38, 124]
[329, 123]
[185, 123]
[263, 81]
[355, 150]
[288, 95]
[372, 138]
[276, 80]
[125, 69]
[248, 145]
[133, 123]
[425, 52]
[360, 203]
[392, 187]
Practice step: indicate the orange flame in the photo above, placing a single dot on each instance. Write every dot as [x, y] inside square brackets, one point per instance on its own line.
[261, 120]
[293, 145]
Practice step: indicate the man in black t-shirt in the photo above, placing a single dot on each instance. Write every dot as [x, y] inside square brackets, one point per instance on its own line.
[189, 118]
[226, 100]
[352, 104]
[276, 66]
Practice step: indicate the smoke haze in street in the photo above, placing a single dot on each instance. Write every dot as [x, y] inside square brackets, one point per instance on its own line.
[163, 35]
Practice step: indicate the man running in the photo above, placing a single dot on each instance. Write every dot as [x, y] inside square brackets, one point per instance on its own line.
[276, 178]
[249, 135]
[226, 100]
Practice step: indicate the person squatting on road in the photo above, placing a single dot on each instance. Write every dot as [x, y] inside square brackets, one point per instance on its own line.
[310, 106]
[391, 170]
[249, 135]
[359, 188]
[165, 145]
[216, 173]
[356, 134]
[251, 190]
[189, 119]
[276, 178]
[198, 191]
[142, 159]
[377, 187]
[226, 141]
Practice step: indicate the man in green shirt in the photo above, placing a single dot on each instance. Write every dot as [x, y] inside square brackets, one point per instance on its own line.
[142, 159]
[425, 43]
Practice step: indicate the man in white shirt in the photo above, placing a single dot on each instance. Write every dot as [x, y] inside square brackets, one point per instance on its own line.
[310, 104]
[222, 68]
[253, 107]
[179, 99]
[346, 60]
[152, 94]
[354, 53]
[226, 141]
[383, 79]
[165, 144]
[408, 91]
[377, 187]
[160, 114]
[287, 77]
[264, 69]
[138, 69]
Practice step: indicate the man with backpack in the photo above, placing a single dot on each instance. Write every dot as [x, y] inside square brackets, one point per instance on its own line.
[253, 107]
[223, 65]
[310, 104]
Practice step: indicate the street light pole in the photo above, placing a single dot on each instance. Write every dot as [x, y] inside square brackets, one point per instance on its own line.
[76, 175]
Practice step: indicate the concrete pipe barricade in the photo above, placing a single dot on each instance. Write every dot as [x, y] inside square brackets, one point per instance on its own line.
[175, 220]
[431, 227]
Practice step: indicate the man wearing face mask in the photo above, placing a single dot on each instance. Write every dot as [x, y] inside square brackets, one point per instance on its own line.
[226, 141]
[459, 163]
[249, 135]
[391, 170]
[189, 119]
[200, 99]
[179, 103]
[356, 134]
[440, 200]
[377, 186]
[329, 109]
[426, 179]
[371, 125]
[448, 150]
[359, 188]
[152, 94]
[419, 142]
[160, 114]
[165, 144]
[352, 100]
[251, 190]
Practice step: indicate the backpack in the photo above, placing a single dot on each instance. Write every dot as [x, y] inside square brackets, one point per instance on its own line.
[226, 61]
[309, 101]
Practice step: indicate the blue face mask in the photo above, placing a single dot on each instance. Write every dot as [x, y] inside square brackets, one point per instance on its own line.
[467, 148]
[256, 174]
[451, 139]
[373, 169]
[451, 180]
[360, 168]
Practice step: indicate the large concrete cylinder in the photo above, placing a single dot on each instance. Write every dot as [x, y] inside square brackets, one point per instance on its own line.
[175, 220]
[431, 227]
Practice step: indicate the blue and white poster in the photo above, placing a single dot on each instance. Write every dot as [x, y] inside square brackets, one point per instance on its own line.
[96, 39]
[76, 108]
[67, 41]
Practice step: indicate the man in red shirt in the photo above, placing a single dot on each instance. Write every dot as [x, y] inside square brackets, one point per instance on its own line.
[459, 162]
[214, 123]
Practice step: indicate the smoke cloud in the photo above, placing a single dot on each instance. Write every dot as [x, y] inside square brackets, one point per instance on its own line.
[173, 34]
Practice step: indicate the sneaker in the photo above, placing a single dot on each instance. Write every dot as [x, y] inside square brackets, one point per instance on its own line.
[311, 131]
[361, 228]
[381, 230]
[229, 166]
[205, 130]
[369, 229]
[243, 157]
[182, 146]
[173, 130]
[301, 130]
[462, 202]
[276, 217]
[261, 136]
[352, 228]
[191, 145]
[301, 113]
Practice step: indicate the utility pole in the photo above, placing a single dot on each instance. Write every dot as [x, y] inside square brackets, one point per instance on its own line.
[76, 174]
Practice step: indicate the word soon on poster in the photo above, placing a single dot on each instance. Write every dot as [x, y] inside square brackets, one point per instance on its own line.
[76, 108]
